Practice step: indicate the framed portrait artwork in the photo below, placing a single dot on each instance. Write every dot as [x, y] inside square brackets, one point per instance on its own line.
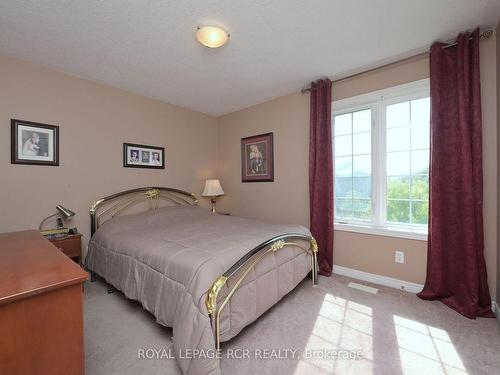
[143, 156]
[34, 143]
[257, 159]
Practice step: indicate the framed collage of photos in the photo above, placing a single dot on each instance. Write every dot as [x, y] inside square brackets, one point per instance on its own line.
[143, 156]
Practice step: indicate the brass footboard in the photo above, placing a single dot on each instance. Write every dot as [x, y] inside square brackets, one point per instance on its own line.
[246, 264]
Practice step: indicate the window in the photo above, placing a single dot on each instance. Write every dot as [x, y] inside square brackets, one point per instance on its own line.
[381, 161]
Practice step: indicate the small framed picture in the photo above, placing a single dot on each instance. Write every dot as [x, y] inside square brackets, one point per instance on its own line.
[143, 156]
[257, 159]
[34, 143]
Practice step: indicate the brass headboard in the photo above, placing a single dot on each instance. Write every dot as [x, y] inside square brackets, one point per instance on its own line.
[115, 204]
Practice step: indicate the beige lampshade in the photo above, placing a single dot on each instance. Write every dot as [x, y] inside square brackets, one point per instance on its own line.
[212, 189]
[212, 36]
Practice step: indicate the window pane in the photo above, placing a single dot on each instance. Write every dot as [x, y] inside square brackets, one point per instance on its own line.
[352, 150]
[343, 166]
[407, 150]
[420, 112]
[420, 187]
[362, 121]
[398, 115]
[420, 162]
[398, 187]
[420, 137]
[342, 124]
[362, 209]
[398, 163]
[343, 187]
[398, 139]
[419, 212]
[343, 145]
[362, 187]
[398, 211]
[361, 165]
[362, 143]
[343, 209]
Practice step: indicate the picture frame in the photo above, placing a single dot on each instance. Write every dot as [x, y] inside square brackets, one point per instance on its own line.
[34, 143]
[257, 158]
[143, 156]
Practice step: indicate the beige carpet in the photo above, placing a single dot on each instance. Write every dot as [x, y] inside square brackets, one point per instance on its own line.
[395, 332]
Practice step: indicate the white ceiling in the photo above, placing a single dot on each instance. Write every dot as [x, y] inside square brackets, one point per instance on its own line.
[276, 47]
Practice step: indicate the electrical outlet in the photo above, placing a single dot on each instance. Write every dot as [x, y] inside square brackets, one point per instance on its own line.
[399, 256]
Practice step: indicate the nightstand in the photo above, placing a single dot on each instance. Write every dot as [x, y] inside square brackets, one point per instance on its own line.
[71, 245]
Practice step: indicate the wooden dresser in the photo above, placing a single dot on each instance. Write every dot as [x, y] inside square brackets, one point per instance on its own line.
[41, 308]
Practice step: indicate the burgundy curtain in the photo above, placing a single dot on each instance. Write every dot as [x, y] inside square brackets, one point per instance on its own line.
[321, 173]
[456, 269]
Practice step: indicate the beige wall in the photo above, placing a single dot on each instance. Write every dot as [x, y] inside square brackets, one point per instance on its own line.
[286, 199]
[94, 122]
[490, 131]
[498, 167]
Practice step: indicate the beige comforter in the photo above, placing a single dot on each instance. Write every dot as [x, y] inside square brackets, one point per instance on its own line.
[168, 258]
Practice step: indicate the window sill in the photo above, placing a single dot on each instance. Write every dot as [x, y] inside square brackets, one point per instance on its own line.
[382, 231]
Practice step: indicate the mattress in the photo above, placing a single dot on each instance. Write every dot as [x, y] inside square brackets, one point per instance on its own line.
[168, 258]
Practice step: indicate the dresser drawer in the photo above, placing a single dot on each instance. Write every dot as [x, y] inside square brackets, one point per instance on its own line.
[71, 245]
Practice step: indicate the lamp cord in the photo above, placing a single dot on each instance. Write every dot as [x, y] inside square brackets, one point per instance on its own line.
[44, 220]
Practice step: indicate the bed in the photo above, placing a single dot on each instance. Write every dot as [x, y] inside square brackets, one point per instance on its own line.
[204, 274]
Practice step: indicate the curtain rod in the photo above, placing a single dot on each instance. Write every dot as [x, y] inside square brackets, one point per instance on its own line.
[483, 36]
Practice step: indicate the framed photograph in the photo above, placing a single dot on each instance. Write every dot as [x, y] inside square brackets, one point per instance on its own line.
[257, 159]
[143, 156]
[34, 143]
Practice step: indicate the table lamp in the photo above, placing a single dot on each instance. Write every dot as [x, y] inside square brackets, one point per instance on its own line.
[212, 190]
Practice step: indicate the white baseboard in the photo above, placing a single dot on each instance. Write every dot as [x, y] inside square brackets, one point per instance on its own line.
[378, 279]
[393, 283]
[496, 310]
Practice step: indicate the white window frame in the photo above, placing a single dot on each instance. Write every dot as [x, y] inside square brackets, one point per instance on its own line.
[377, 101]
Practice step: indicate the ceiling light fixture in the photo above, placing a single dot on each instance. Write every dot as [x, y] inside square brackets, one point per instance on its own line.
[212, 36]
